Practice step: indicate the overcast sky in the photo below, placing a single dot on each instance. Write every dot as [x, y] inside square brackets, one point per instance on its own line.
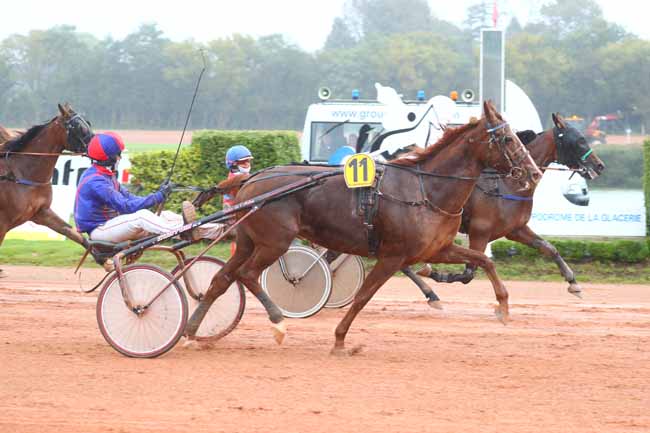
[304, 22]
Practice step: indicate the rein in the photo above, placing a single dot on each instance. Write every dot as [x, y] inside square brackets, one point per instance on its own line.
[10, 177]
[43, 153]
[425, 200]
[497, 194]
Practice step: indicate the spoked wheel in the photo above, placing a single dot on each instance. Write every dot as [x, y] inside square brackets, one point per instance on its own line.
[299, 283]
[347, 277]
[154, 330]
[226, 312]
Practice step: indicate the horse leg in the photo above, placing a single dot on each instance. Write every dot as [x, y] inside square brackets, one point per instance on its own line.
[383, 270]
[218, 286]
[3, 232]
[476, 243]
[432, 299]
[457, 254]
[249, 275]
[528, 237]
[47, 217]
[245, 266]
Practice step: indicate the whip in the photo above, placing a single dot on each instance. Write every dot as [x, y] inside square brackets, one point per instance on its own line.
[187, 119]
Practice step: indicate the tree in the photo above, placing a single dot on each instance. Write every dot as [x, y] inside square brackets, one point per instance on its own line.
[387, 17]
[542, 70]
[340, 36]
[479, 16]
[622, 64]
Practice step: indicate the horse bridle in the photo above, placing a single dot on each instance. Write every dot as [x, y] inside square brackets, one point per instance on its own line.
[77, 128]
[514, 161]
[74, 128]
[566, 154]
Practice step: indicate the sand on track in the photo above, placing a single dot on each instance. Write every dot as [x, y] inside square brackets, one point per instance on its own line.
[561, 365]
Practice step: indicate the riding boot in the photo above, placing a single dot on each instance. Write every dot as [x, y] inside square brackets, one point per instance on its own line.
[189, 215]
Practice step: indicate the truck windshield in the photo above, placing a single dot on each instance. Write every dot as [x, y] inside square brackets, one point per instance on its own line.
[326, 137]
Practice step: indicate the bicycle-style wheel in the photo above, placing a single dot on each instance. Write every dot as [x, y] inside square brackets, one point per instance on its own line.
[155, 330]
[347, 277]
[226, 312]
[305, 285]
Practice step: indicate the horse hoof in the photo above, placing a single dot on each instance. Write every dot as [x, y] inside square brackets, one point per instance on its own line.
[279, 331]
[425, 271]
[435, 304]
[340, 351]
[197, 345]
[190, 343]
[575, 290]
[356, 350]
[503, 317]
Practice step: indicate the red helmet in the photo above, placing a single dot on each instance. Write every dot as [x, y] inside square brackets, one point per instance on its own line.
[105, 148]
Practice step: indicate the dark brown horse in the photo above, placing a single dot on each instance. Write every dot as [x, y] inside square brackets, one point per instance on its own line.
[420, 198]
[495, 209]
[26, 168]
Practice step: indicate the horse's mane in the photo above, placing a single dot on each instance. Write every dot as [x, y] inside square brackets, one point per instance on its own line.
[418, 155]
[526, 136]
[19, 142]
[5, 135]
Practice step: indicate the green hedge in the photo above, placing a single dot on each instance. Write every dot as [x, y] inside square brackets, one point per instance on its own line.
[623, 251]
[623, 167]
[203, 162]
[646, 183]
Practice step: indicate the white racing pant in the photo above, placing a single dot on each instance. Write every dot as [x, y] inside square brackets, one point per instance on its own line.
[143, 223]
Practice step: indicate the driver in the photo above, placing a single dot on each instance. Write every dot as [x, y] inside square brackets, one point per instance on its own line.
[107, 211]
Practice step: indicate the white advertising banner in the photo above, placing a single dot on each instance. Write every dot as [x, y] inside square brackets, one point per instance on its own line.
[615, 213]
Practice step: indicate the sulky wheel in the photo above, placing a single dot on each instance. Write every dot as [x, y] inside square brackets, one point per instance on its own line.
[226, 312]
[347, 277]
[299, 283]
[146, 332]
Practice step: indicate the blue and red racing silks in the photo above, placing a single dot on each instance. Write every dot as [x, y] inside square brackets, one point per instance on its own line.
[100, 197]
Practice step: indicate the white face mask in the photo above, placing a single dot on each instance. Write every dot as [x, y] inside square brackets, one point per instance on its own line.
[244, 169]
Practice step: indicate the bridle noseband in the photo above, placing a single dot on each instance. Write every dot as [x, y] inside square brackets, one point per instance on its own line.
[514, 161]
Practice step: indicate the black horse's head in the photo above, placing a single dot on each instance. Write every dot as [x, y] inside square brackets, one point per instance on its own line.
[78, 129]
[574, 151]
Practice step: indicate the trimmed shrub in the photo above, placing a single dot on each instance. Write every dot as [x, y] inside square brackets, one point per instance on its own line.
[623, 251]
[624, 167]
[203, 162]
[646, 183]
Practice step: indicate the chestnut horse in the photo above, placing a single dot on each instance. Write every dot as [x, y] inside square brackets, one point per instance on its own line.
[494, 210]
[420, 198]
[5, 136]
[26, 168]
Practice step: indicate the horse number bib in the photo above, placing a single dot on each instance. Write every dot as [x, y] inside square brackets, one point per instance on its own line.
[359, 171]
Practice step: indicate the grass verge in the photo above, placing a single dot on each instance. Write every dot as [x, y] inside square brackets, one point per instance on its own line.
[67, 254]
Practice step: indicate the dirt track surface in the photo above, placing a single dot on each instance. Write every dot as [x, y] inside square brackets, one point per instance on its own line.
[560, 365]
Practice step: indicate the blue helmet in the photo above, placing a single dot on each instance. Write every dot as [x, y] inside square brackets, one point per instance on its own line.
[237, 153]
